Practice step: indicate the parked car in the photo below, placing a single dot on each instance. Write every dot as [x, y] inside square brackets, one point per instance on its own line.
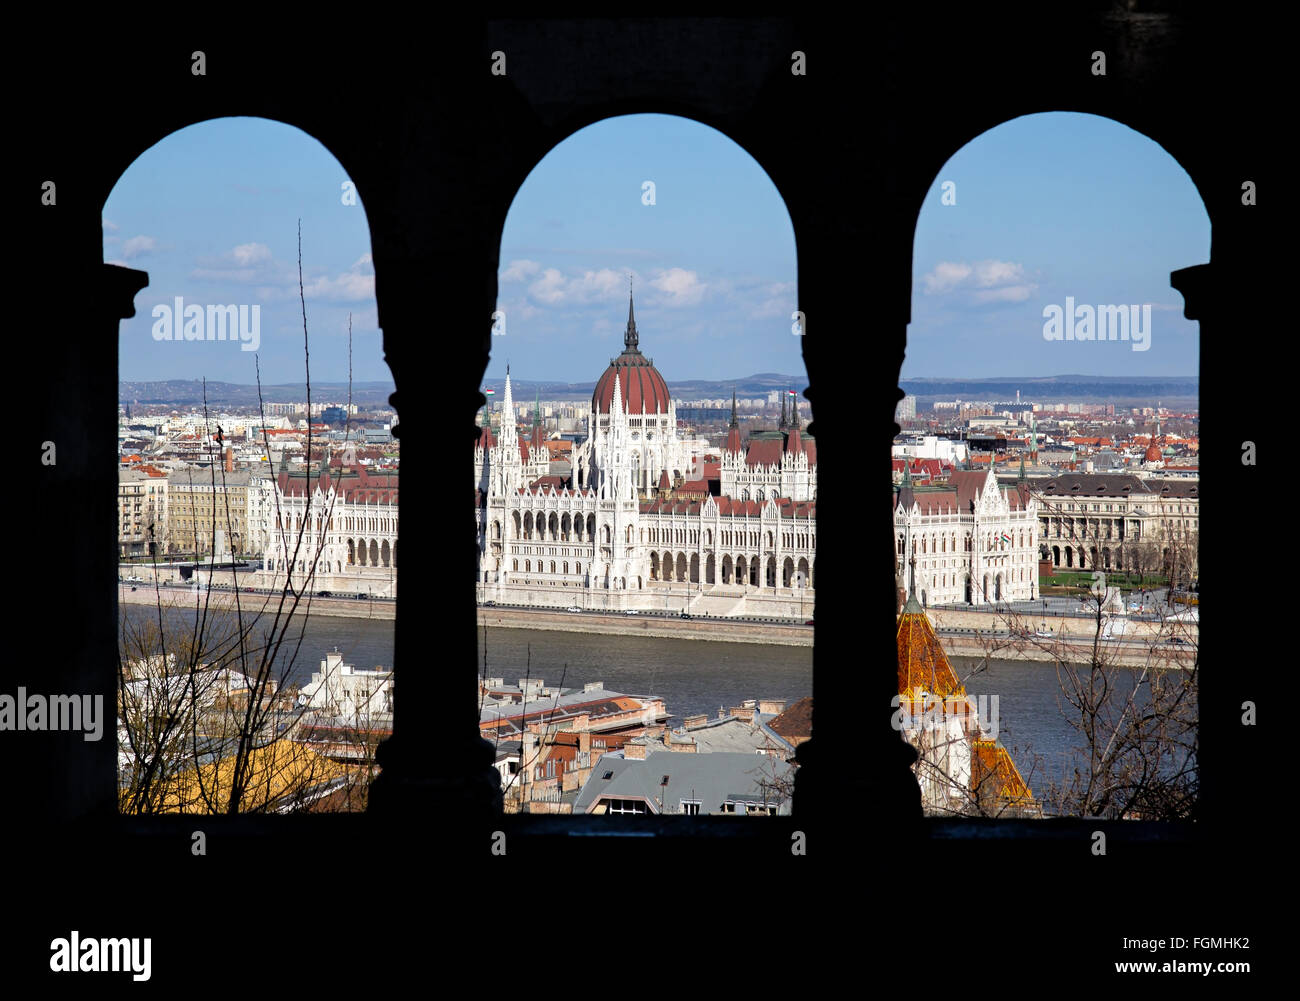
[685, 614]
[490, 604]
[632, 611]
[573, 608]
[324, 594]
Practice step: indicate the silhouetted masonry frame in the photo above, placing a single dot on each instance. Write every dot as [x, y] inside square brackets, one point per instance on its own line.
[436, 194]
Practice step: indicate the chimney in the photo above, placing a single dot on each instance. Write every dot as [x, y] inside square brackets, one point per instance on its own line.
[633, 751]
[771, 706]
[230, 459]
[699, 719]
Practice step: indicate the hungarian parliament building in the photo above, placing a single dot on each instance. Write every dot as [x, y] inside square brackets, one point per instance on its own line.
[647, 518]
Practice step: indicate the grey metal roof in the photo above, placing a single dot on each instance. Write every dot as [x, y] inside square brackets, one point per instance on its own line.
[712, 779]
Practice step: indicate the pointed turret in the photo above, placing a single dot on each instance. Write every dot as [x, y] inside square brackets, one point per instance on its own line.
[538, 438]
[733, 429]
[508, 433]
[781, 426]
[794, 441]
[616, 404]
[906, 498]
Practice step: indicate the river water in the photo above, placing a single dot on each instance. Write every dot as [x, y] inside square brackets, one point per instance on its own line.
[690, 675]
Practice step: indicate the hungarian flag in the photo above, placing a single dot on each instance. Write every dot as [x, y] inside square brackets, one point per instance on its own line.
[489, 392]
[1006, 538]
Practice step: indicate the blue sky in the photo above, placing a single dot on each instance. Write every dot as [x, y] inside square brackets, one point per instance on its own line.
[211, 212]
[1048, 206]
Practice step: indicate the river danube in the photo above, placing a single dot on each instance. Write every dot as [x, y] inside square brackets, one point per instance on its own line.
[691, 676]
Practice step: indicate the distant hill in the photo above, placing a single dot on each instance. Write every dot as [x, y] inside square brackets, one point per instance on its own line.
[1059, 388]
[190, 392]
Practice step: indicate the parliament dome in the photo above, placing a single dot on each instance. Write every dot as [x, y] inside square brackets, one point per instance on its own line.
[641, 386]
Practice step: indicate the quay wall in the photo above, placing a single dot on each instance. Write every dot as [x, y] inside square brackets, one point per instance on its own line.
[717, 630]
[344, 608]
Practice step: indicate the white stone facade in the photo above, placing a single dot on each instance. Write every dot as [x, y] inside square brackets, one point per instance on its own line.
[974, 542]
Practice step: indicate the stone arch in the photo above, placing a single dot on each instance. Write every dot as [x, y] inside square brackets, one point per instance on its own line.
[771, 572]
[710, 567]
[681, 569]
[384, 553]
[654, 566]
[374, 553]
[727, 570]
[787, 572]
[695, 568]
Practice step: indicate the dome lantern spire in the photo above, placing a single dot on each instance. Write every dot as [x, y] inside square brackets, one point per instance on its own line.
[630, 338]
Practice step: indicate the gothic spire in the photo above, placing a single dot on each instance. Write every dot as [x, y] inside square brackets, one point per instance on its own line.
[630, 338]
[781, 426]
[733, 408]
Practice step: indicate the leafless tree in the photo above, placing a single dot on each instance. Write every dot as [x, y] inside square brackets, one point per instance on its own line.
[205, 723]
[1131, 701]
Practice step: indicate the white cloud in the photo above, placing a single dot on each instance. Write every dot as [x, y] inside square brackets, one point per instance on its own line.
[681, 287]
[945, 276]
[253, 263]
[778, 301]
[554, 289]
[112, 227]
[549, 288]
[519, 271]
[986, 281]
[138, 245]
[347, 287]
[248, 254]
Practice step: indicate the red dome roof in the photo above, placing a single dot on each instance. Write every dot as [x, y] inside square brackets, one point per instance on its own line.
[642, 387]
